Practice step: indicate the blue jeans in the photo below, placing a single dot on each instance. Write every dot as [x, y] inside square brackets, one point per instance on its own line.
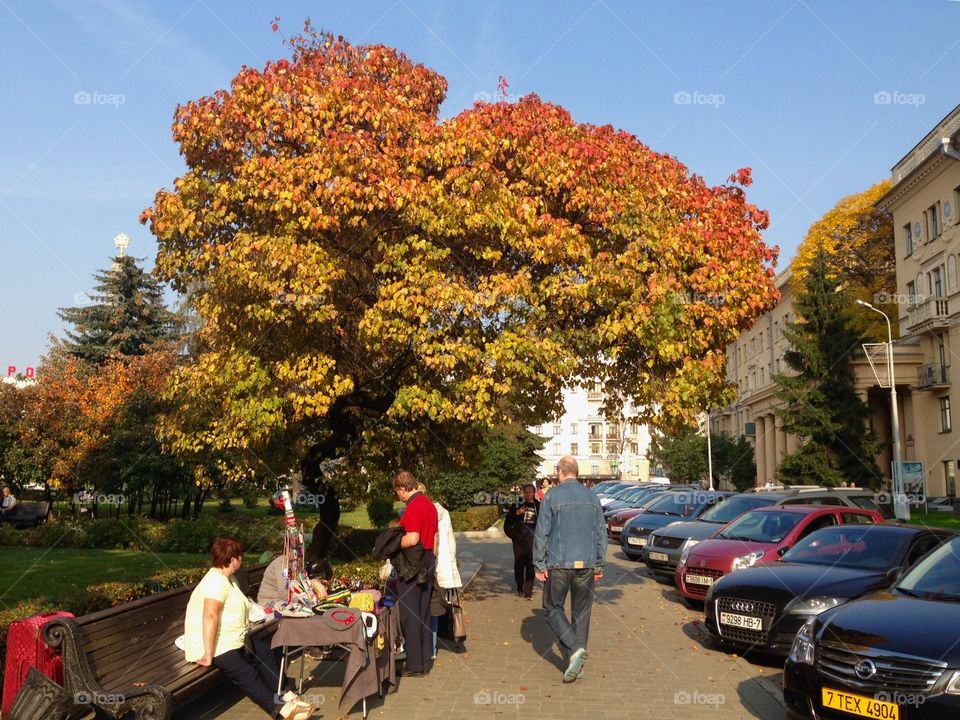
[572, 633]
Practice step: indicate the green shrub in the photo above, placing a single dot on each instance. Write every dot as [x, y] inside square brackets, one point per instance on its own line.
[380, 511]
[475, 518]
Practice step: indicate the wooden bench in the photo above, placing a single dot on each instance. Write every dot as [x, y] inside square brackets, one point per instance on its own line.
[26, 514]
[124, 660]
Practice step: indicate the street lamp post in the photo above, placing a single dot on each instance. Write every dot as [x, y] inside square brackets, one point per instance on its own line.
[709, 453]
[900, 505]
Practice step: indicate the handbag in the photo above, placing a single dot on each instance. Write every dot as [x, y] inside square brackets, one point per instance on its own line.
[452, 625]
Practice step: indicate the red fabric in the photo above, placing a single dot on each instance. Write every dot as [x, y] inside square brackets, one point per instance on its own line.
[421, 517]
[26, 649]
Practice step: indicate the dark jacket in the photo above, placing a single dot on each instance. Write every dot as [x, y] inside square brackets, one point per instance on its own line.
[407, 561]
[513, 525]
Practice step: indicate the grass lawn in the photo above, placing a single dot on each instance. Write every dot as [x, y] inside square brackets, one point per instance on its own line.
[31, 572]
[937, 519]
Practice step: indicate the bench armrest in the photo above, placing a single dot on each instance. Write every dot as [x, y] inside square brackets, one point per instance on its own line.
[150, 702]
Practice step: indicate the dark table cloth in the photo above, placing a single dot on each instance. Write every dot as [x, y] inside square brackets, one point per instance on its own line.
[360, 680]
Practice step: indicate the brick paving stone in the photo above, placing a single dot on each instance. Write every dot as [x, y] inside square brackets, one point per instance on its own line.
[648, 659]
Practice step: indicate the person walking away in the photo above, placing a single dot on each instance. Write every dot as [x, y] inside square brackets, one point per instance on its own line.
[419, 522]
[520, 525]
[569, 552]
[447, 582]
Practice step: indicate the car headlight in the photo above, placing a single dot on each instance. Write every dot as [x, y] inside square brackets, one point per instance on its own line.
[813, 606]
[745, 561]
[685, 550]
[802, 650]
[953, 687]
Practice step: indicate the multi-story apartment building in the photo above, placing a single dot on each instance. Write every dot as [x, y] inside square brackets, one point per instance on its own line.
[925, 203]
[604, 447]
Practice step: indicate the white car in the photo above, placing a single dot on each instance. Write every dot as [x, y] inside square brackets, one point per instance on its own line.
[944, 504]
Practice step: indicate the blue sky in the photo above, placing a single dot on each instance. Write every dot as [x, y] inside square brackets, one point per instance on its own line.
[820, 97]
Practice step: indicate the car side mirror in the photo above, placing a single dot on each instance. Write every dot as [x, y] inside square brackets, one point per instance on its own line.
[782, 551]
[894, 574]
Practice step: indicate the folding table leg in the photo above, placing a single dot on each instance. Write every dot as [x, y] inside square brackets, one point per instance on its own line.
[283, 664]
[303, 661]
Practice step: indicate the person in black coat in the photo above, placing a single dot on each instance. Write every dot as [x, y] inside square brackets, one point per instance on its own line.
[519, 526]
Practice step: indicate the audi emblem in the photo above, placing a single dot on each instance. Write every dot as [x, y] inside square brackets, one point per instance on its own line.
[865, 669]
[741, 606]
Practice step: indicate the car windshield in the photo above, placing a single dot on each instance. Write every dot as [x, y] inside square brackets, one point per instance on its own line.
[681, 504]
[761, 526]
[626, 493]
[725, 511]
[868, 503]
[850, 546]
[604, 486]
[937, 576]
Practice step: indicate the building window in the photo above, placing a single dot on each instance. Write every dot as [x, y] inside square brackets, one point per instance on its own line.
[908, 238]
[945, 414]
[911, 293]
[595, 469]
[596, 431]
[634, 428]
[937, 282]
[635, 448]
[594, 448]
[932, 224]
[573, 428]
[612, 449]
[574, 449]
[557, 429]
[556, 448]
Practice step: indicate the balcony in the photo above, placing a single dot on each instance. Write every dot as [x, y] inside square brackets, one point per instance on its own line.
[933, 376]
[928, 315]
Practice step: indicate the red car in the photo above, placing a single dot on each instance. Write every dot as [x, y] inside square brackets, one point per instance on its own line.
[757, 537]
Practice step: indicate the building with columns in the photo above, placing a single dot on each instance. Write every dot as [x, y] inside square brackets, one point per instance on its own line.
[604, 448]
[753, 359]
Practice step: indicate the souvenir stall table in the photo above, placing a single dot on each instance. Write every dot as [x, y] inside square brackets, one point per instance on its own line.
[371, 660]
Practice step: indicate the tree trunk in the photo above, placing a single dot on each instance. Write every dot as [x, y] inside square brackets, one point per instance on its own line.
[325, 529]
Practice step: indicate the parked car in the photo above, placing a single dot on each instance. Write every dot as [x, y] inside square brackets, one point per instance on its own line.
[762, 608]
[602, 487]
[669, 508]
[618, 518]
[674, 539]
[612, 490]
[637, 497]
[621, 494]
[757, 537]
[891, 654]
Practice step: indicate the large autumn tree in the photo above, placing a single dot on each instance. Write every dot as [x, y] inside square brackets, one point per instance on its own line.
[364, 270]
[856, 239]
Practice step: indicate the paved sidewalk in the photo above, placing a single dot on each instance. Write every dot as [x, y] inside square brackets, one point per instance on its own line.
[647, 660]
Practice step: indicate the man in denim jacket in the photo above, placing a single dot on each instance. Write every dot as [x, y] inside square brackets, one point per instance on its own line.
[569, 551]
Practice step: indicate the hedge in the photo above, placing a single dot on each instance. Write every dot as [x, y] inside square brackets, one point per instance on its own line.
[480, 517]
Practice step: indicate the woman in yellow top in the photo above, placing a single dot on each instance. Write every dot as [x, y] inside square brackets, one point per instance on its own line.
[215, 628]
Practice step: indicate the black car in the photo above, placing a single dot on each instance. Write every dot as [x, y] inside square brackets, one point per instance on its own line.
[891, 654]
[762, 608]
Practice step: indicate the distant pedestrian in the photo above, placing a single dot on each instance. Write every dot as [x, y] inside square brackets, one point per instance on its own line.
[7, 501]
[447, 583]
[520, 525]
[569, 552]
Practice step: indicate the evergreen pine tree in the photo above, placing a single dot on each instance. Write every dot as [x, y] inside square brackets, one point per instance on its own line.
[127, 314]
[819, 397]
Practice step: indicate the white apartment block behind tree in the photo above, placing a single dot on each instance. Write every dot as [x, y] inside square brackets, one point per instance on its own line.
[603, 447]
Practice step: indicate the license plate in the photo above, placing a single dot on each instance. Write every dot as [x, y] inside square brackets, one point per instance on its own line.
[860, 705]
[616, 528]
[659, 556]
[636, 541]
[741, 621]
[698, 579]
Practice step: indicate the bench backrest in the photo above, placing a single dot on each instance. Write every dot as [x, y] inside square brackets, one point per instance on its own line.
[134, 643]
[30, 509]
